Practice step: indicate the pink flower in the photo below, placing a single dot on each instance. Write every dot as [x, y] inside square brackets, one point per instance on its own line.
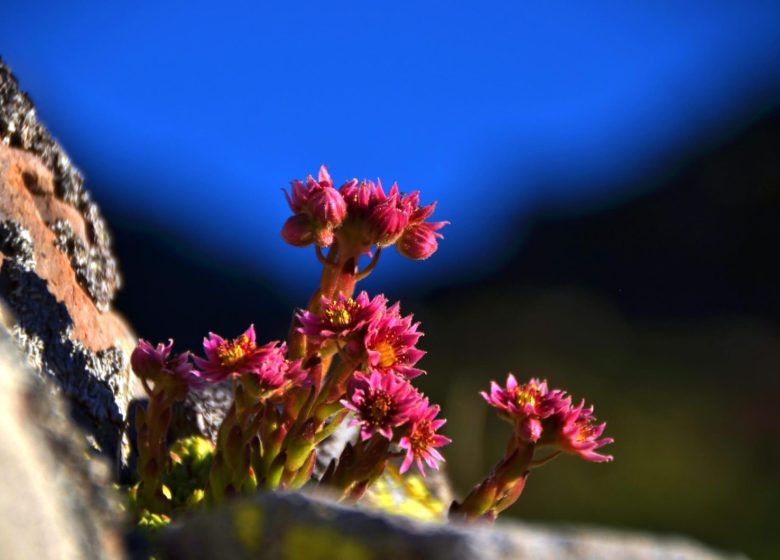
[421, 440]
[148, 361]
[269, 367]
[575, 431]
[297, 375]
[227, 358]
[341, 317]
[155, 364]
[525, 405]
[380, 403]
[390, 344]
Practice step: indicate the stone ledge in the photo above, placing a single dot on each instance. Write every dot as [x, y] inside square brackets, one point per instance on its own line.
[295, 526]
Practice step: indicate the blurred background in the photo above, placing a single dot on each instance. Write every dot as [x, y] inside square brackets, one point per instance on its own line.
[611, 172]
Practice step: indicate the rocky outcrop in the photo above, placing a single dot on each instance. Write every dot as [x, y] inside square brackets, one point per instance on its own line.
[58, 275]
[293, 526]
[55, 503]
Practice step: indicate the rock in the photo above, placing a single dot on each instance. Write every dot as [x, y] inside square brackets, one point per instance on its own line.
[202, 412]
[55, 502]
[58, 275]
[294, 526]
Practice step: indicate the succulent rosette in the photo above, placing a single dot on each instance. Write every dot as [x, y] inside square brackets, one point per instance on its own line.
[421, 439]
[380, 403]
[390, 344]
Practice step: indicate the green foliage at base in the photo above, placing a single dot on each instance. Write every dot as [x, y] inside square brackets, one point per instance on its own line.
[406, 495]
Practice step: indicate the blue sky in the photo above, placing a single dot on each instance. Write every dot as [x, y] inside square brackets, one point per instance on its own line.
[196, 114]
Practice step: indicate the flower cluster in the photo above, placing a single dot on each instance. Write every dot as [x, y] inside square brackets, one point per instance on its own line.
[545, 417]
[380, 346]
[359, 215]
[166, 379]
[541, 419]
[348, 360]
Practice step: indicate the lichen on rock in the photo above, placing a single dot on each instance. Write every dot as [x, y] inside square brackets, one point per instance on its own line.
[58, 275]
[20, 128]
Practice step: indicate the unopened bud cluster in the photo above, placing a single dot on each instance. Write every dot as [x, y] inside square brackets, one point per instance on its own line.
[359, 215]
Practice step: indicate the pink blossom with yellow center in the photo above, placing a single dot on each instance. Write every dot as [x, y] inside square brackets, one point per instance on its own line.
[390, 344]
[341, 317]
[525, 405]
[575, 431]
[421, 439]
[232, 357]
[380, 403]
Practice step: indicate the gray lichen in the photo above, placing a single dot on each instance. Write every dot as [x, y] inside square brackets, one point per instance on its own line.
[20, 128]
[83, 258]
[93, 380]
[16, 243]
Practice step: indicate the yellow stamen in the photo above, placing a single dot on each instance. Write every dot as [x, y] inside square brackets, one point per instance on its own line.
[380, 406]
[387, 356]
[584, 431]
[526, 397]
[422, 438]
[340, 314]
[233, 352]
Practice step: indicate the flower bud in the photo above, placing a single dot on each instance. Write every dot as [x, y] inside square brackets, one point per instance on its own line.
[357, 196]
[298, 230]
[300, 193]
[327, 206]
[418, 241]
[388, 221]
[148, 361]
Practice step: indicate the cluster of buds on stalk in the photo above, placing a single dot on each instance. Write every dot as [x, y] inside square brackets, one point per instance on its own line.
[353, 219]
[347, 359]
[166, 379]
[544, 422]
